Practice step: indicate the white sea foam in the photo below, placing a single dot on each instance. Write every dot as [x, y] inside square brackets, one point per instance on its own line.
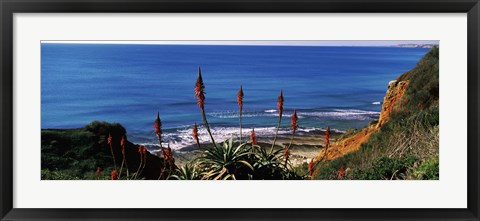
[376, 103]
[346, 114]
[343, 114]
[183, 137]
[236, 114]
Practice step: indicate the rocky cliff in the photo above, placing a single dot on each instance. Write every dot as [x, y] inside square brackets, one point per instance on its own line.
[394, 93]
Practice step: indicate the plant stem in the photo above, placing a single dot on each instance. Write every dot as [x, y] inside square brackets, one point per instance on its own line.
[164, 155]
[207, 126]
[325, 153]
[144, 163]
[126, 166]
[240, 125]
[113, 157]
[161, 172]
[276, 134]
[139, 165]
[291, 140]
[121, 168]
[289, 145]
[286, 159]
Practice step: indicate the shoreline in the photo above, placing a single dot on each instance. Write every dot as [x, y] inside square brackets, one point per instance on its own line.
[304, 148]
[307, 136]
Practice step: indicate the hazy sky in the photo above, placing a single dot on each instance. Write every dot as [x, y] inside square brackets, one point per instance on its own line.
[290, 43]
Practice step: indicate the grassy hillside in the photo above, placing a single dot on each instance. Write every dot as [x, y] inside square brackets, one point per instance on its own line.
[406, 146]
[76, 153]
[84, 153]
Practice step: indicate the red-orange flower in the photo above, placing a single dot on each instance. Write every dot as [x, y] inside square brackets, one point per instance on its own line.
[310, 167]
[122, 144]
[200, 90]
[293, 123]
[109, 139]
[114, 174]
[280, 104]
[99, 171]
[253, 138]
[240, 98]
[122, 141]
[195, 133]
[142, 149]
[341, 172]
[157, 127]
[327, 136]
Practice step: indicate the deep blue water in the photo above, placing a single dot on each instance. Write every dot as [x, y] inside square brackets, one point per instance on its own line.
[340, 87]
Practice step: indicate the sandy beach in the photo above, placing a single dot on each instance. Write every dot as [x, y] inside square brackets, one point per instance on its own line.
[303, 149]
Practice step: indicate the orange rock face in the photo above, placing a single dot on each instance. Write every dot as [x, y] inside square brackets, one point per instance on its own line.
[394, 94]
[395, 91]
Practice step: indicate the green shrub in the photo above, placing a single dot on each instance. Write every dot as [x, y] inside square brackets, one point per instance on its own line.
[385, 168]
[271, 165]
[428, 169]
[77, 152]
[58, 175]
[326, 172]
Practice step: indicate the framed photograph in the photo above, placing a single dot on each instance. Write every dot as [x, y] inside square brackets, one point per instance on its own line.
[120, 110]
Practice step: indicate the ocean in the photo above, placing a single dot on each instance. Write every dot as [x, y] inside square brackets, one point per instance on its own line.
[339, 87]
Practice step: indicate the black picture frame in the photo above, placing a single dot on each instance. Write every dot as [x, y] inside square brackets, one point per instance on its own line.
[9, 7]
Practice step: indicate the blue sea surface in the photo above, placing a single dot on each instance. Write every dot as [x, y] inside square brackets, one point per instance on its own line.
[340, 87]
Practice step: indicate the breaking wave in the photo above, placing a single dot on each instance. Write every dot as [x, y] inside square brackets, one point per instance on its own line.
[182, 137]
[341, 114]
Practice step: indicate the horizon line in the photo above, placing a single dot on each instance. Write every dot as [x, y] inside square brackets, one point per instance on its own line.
[347, 43]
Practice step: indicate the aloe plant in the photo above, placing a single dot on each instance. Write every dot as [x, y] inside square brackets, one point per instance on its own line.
[269, 165]
[226, 162]
[187, 172]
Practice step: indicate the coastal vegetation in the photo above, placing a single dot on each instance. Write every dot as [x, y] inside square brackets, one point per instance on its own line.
[402, 144]
[406, 146]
